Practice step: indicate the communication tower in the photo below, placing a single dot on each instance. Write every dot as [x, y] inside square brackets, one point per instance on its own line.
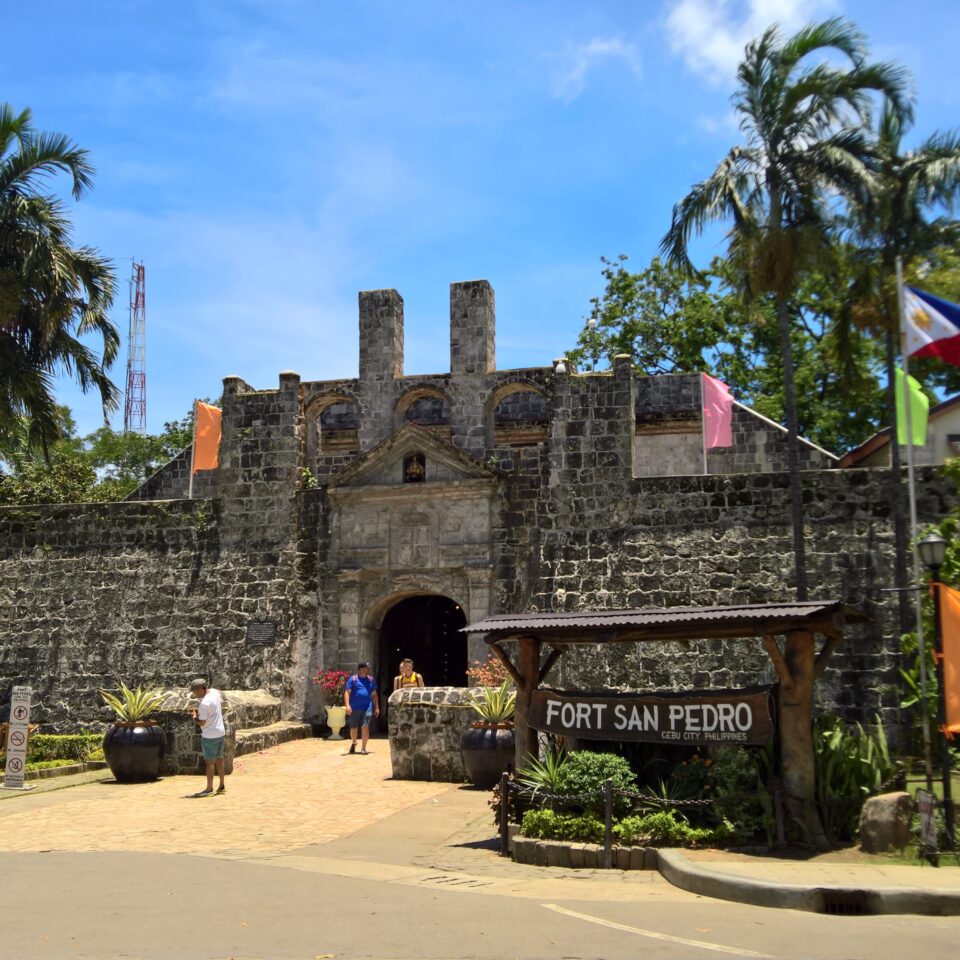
[135, 401]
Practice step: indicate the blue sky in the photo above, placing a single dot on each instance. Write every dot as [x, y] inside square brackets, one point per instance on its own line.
[267, 159]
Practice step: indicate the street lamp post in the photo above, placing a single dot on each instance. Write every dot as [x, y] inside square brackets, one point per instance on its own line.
[933, 550]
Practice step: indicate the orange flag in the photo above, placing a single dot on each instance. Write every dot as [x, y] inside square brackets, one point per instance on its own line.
[950, 620]
[206, 437]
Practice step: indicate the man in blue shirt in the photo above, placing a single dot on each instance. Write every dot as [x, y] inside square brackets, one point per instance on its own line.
[362, 702]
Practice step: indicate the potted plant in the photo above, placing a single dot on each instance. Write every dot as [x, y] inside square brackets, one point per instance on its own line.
[487, 747]
[332, 684]
[134, 746]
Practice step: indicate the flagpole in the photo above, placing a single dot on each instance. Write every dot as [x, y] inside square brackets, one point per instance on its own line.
[193, 451]
[703, 423]
[918, 605]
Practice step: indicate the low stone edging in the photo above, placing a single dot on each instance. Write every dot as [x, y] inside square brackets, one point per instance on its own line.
[562, 853]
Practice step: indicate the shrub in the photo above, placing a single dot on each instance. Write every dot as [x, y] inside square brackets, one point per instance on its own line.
[49, 764]
[739, 791]
[549, 825]
[74, 747]
[543, 776]
[851, 763]
[582, 776]
[665, 829]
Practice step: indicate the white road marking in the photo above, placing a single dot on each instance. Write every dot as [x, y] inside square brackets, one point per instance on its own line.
[653, 935]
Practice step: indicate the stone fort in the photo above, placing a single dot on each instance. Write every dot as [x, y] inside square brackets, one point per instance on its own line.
[371, 518]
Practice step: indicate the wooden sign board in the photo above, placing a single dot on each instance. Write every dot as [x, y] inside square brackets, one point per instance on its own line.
[18, 732]
[697, 718]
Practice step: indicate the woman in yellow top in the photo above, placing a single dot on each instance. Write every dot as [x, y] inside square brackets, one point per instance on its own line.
[407, 677]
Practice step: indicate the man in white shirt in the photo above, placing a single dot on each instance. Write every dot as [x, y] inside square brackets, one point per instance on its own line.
[209, 715]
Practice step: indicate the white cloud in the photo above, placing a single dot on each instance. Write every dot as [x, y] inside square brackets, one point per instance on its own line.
[577, 61]
[710, 35]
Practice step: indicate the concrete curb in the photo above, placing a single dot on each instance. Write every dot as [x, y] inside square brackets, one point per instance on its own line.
[839, 900]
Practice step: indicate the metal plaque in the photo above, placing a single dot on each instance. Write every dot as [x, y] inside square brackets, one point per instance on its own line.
[261, 633]
[685, 719]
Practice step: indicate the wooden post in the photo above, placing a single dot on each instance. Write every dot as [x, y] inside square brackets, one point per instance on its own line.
[505, 814]
[528, 669]
[796, 735]
[608, 824]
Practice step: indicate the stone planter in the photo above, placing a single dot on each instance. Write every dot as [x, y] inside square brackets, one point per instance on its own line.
[336, 720]
[134, 750]
[488, 752]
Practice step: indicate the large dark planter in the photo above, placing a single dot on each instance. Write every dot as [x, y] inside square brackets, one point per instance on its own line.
[133, 751]
[487, 751]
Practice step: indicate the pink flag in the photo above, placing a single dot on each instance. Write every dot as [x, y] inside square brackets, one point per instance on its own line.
[717, 413]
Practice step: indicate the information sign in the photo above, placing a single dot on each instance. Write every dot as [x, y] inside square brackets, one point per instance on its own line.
[927, 805]
[684, 719]
[18, 732]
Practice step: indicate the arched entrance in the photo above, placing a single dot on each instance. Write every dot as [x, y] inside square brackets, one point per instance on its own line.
[424, 628]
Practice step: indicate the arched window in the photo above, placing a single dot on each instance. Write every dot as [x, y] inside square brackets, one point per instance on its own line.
[425, 406]
[332, 423]
[517, 416]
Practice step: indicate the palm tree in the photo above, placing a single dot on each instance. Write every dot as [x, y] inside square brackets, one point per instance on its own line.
[804, 142]
[51, 293]
[805, 145]
[890, 220]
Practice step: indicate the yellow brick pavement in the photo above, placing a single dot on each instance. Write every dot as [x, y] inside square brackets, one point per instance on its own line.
[300, 793]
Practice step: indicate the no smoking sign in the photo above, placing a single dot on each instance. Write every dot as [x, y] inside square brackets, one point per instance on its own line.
[18, 733]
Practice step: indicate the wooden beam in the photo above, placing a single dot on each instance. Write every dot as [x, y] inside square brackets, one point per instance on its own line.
[501, 655]
[780, 665]
[826, 651]
[552, 658]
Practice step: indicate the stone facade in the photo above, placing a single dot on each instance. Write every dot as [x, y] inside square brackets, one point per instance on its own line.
[337, 502]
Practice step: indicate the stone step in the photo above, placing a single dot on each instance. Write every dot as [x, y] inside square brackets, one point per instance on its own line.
[255, 739]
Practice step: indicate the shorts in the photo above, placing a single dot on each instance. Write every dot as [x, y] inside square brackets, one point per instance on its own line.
[360, 718]
[212, 748]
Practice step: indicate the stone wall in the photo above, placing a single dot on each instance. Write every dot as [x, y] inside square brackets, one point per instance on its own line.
[425, 726]
[719, 540]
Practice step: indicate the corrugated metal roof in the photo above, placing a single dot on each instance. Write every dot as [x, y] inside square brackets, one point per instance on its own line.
[689, 618]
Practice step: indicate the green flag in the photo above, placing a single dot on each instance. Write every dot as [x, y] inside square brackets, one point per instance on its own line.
[919, 405]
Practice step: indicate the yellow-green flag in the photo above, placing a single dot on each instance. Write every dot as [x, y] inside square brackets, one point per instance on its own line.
[919, 405]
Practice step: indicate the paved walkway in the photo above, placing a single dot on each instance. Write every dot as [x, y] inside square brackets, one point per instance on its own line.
[302, 792]
[309, 806]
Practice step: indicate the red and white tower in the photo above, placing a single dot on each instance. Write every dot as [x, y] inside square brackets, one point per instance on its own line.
[135, 401]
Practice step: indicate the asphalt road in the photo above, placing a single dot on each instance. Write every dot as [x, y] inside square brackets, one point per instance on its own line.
[179, 907]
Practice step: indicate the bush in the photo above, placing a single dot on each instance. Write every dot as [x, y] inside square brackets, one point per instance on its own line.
[581, 779]
[665, 829]
[739, 792]
[49, 764]
[549, 825]
[69, 747]
[851, 763]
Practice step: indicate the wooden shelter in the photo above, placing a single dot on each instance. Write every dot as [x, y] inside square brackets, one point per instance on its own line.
[797, 663]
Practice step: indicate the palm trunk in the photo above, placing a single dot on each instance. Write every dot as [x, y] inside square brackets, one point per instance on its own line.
[793, 450]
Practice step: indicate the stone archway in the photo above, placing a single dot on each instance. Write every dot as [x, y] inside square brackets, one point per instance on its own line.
[424, 627]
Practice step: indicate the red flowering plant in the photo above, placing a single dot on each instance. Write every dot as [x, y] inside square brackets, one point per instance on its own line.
[487, 673]
[332, 684]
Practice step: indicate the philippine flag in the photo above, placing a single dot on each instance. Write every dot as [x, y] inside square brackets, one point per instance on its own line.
[931, 325]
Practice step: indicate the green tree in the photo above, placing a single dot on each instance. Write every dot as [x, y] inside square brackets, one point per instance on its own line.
[804, 136]
[669, 321]
[102, 466]
[52, 294]
[890, 217]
